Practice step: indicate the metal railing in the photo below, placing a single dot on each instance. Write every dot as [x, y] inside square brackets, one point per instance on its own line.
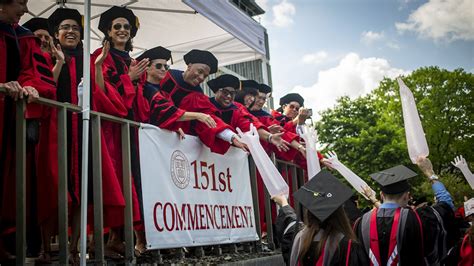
[297, 175]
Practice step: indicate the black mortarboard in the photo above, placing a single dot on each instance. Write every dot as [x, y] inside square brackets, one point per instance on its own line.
[263, 88]
[394, 180]
[223, 81]
[292, 97]
[35, 24]
[156, 53]
[61, 14]
[351, 210]
[201, 57]
[323, 194]
[250, 84]
[118, 12]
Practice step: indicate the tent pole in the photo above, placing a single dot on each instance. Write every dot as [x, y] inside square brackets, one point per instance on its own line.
[85, 129]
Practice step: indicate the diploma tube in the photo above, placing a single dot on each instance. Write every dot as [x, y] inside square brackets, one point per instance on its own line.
[310, 137]
[415, 135]
[356, 182]
[272, 179]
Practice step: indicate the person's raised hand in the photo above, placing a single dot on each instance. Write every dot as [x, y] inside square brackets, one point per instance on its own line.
[303, 114]
[136, 69]
[57, 52]
[280, 200]
[459, 162]
[425, 166]
[101, 58]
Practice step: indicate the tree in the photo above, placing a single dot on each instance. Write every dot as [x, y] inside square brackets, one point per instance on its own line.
[368, 134]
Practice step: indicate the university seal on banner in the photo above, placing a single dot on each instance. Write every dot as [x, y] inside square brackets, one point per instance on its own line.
[179, 167]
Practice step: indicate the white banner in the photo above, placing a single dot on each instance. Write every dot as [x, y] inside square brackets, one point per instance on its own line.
[191, 196]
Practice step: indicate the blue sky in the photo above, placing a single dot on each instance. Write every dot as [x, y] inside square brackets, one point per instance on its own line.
[324, 49]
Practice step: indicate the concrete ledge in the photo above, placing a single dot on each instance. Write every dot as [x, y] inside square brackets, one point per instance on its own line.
[274, 260]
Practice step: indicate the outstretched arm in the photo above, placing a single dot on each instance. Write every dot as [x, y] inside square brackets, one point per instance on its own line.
[441, 194]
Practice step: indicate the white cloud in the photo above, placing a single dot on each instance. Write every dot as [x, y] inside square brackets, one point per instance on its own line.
[283, 13]
[315, 58]
[393, 45]
[403, 4]
[354, 76]
[446, 20]
[263, 4]
[368, 37]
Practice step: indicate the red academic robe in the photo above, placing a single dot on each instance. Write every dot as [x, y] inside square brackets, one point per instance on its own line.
[47, 171]
[284, 121]
[237, 116]
[176, 92]
[288, 125]
[120, 98]
[20, 61]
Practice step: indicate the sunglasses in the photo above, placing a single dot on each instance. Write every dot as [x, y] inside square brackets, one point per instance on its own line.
[228, 93]
[118, 26]
[160, 66]
[292, 106]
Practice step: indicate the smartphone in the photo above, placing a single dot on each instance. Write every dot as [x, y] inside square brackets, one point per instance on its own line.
[310, 112]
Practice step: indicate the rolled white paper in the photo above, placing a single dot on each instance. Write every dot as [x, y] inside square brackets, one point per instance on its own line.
[272, 179]
[310, 138]
[415, 135]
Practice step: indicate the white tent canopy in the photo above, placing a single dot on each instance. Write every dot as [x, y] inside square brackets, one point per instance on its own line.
[214, 25]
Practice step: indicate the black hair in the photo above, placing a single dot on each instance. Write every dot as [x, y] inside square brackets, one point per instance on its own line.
[56, 41]
[128, 45]
[240, 95]
[6, 2]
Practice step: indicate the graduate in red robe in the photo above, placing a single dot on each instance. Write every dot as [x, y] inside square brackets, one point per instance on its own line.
[180, 91]
[159, 57]
[289, 114]
[252, 89]
[117, 90]
[235, 114]
[24, 73]
[67, 56]
[39, 27]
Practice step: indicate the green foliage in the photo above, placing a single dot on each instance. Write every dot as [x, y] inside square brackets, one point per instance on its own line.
[368, 134]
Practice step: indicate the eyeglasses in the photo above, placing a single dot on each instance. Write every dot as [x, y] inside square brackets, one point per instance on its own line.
[159, 66]
[118, 26]
[228, 93]
[292, 106]
[69, 27]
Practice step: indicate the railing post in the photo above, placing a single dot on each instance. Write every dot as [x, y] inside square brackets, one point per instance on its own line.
[62, 186]
[294, 182]
[269, 221]
[199, 252]
[256, 211]
[301, 173]
[20, 160]
[127, 192]
[268, 214]
[97, 190]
